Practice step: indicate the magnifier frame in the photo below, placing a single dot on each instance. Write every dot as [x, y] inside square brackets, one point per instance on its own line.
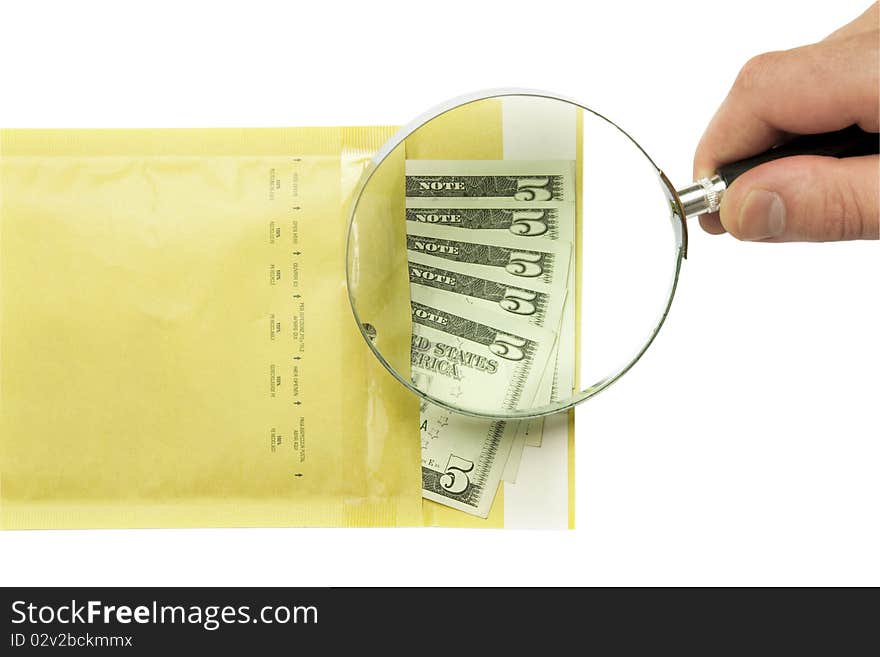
[675, 206]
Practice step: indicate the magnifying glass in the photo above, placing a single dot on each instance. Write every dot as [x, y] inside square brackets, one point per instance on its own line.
[512, 254]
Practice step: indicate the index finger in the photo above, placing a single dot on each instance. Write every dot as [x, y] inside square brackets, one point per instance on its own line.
[817, 88]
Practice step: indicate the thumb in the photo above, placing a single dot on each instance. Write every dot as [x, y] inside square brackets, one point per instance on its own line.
[805, 198]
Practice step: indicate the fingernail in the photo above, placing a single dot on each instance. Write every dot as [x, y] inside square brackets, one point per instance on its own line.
[762, 215]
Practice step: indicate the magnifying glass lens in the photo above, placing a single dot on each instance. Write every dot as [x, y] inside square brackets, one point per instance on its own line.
[511, 256]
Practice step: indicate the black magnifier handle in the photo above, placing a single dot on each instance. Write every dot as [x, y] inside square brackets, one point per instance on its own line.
[849, 142]
[705, 194]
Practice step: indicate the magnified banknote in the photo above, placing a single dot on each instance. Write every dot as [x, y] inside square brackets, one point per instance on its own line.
[490, 249]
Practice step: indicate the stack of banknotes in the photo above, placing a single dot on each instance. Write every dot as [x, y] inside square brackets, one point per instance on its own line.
[490, 248]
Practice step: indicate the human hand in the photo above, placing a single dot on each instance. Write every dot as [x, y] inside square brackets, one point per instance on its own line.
[817, 88]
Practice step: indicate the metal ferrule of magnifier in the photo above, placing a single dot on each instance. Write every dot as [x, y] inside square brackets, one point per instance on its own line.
[703, 196]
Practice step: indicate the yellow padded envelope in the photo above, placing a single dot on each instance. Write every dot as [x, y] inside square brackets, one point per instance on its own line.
[176, 343]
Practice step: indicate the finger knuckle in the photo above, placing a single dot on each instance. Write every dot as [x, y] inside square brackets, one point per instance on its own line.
[754, 72]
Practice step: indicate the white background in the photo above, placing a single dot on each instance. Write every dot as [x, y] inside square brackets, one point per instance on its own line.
[743, 448]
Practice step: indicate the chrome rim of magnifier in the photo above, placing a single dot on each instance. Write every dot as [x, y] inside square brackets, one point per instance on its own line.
[697, 193]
